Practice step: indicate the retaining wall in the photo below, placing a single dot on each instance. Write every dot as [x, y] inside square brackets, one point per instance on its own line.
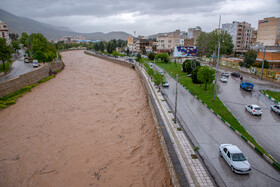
[29, 78]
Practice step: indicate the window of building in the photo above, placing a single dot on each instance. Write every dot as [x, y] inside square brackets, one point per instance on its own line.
[162, 41]
[169, 46]
[169, 41]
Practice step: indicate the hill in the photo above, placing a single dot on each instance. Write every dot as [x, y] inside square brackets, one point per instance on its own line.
[17, 24]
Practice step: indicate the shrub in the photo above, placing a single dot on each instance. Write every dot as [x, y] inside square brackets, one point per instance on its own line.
[194, 76]
[164, 57]
[151, 56]
[189, 65]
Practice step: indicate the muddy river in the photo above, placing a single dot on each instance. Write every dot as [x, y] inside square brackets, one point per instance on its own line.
[89, 126]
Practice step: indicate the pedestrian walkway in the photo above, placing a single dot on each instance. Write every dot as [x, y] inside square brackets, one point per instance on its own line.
[192, 167]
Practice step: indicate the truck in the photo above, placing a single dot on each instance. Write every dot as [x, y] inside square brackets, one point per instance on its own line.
[247, 86]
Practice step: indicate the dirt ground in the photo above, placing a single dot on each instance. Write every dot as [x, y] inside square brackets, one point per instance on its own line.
[89, 126]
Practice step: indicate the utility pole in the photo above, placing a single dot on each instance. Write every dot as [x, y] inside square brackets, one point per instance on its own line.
[175, 120]
[263, 61]
[218, 59]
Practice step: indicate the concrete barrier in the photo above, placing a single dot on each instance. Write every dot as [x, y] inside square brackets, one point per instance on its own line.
[29, 78]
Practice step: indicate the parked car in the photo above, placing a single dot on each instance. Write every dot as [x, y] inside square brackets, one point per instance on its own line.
[160, 72]
[26, 60]
[223, 79]
[276, 109]
[35, 63]
[254, 109]
[235, 74]
[225, 74]
[247, 86]
[165, 84]
[235, 158]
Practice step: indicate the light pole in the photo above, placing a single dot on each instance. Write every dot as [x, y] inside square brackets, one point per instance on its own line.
[263, 61]
[175, 120]
[218, 59]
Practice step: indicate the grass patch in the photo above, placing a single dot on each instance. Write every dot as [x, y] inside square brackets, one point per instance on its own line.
[207, 98]
[196, 148]
[10, 99]
[179, 129]
[7, 67]
[275, 95]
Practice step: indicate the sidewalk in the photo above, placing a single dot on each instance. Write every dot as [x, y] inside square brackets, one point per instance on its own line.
[193, 169]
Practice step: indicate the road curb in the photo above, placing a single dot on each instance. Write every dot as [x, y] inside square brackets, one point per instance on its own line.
[276, 165]
[269, 97]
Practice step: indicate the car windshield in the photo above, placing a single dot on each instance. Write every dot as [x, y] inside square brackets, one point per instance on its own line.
[238, 157]
[257, 108]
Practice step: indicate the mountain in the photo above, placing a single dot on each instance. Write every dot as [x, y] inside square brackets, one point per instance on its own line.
[17, 24]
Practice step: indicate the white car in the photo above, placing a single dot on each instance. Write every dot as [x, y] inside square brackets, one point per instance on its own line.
[235, 158]
[165, 84]
[225, 74]
[35, 63]
[223, 79]
[276, 109]
[254, 109]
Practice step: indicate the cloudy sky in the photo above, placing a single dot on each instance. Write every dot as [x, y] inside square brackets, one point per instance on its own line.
[146, 17]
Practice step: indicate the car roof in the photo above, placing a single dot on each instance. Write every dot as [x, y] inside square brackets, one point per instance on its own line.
[255, 106]
[232, 148]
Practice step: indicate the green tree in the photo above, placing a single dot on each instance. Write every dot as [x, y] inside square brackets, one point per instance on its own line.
[194, 76]
[201, 44]
[189, 65]
[5, 51]
[206, 75]
[164, 57]
[151, 56]
[40, 56]
[115, 53]
[250, 58]
[138, 57]
[207, 43]
[127, 51]
[15, 45]
[24, 39]
[13, 36]
[158, 79]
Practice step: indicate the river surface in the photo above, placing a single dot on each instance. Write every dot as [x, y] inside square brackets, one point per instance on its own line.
[89, 126]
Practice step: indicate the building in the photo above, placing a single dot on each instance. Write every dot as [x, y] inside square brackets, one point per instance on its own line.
[131, 44]
[194, 33]
[272, 55]
[69, 39]
[166, 43]
[4, 32]
[269, 31]
[189, 42]
[254, 37]
[241, 33]
[143, 46]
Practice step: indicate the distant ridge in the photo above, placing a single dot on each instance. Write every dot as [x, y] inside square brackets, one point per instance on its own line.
[17, 24]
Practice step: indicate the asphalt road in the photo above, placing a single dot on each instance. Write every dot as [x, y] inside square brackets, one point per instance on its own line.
[18, 68]
[266, 128]
[207, 132]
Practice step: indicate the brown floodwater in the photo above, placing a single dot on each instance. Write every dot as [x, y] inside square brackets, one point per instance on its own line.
[89, 126]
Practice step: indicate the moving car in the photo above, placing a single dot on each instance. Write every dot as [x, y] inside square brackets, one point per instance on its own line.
[247, 86]
[165, 84]
[276, 109]
[235, 158]
[254, 109]
[35, 63]
[235, 74]
[225, 74]
[223, 79]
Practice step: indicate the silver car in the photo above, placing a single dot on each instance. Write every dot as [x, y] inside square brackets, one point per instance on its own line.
[235, 158]
[276, 109]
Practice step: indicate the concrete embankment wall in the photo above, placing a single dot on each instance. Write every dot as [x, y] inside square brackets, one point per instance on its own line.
[29, 78]
[168, 159]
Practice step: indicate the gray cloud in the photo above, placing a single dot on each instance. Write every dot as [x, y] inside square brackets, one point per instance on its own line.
[146, 16]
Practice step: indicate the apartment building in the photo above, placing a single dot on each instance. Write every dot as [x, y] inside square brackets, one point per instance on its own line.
[130, 44]
[241, 33]
[4, 32]
[143, 45]
[194, 33]
[166, 43]
[269, 31]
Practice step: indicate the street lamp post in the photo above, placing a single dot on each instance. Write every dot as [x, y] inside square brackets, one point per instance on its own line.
[263, 61]
[218, 59]
[175, 120]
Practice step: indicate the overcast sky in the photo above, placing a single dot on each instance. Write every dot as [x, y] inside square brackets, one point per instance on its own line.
[146, 17]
